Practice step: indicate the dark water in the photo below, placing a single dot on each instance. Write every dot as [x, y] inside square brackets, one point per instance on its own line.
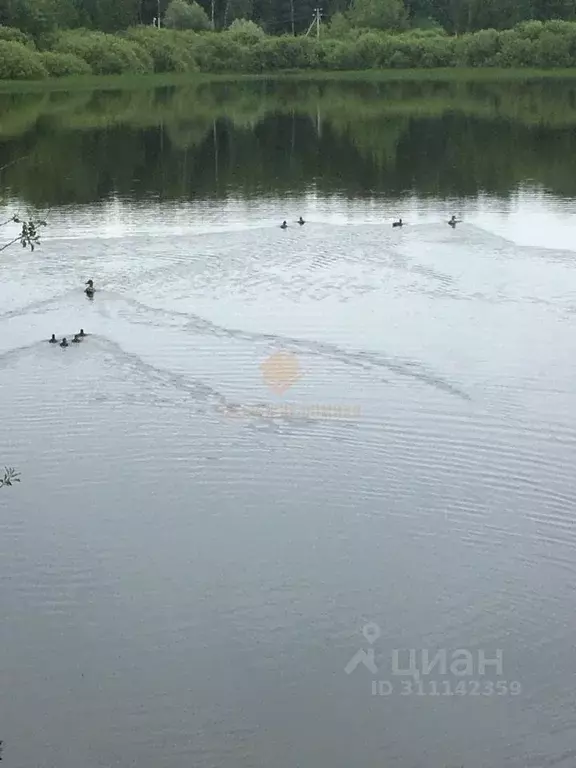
[272, 441]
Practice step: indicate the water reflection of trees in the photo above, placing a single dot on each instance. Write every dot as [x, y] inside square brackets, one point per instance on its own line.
[354, 138]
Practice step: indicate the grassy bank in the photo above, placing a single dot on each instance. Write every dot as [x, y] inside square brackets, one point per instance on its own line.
[146, 82]
[175, 56]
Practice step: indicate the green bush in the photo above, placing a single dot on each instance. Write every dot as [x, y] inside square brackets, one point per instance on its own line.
[339, 55]
[515, 50]
[400, 60]
[553, 50]
[339, 26]
[287, 52]
[373, 51]
[432, 51]
[558, 27]
[106, 54]
[244, 47]
[145, 59]
[168, 49]
[64, 64]
[246, 31]
[16, 35]
[478, 49]
[214, 52]
[183, 15]
[530, 29]
[20, 62]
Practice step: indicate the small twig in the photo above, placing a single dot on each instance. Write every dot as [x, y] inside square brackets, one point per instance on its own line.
[7, 245]
[18, 160]
[10, 477]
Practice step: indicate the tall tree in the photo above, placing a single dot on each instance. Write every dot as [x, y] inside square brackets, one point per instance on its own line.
[379, 14]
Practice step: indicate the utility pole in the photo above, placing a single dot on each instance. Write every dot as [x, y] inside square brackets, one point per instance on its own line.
[158, 14]
[317, 17]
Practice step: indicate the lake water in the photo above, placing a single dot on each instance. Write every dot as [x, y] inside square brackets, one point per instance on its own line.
[278, 448]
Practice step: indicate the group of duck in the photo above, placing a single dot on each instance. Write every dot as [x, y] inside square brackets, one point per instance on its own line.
[452, 222]
[300, 221]
[89, 291]
[64, 343]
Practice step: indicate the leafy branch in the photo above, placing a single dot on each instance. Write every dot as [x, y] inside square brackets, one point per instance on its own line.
[10, 477]
[29, 236]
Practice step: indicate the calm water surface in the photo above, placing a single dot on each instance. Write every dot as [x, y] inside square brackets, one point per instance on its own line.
[271, 439]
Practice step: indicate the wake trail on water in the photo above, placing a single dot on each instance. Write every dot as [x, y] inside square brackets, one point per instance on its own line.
[159, 387]
[189, 321]
[359, 358]
[36, 307]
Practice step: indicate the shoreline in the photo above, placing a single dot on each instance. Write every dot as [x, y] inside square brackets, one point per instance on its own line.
[158, 80]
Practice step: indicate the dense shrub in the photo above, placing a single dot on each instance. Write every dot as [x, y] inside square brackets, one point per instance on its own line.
[339, 26]
[373, 51]
[530, 29]
[553, 50]
[169, 50]
[106, 54]
[215, 52]
[433, 51]
[64, 64]
[20, 62]
[479, 49]
[245, 48]
[515, 50]
[183, 15]
[399, 60]
[287, 52]
[339, 55]
[246, 31]
[16, 36]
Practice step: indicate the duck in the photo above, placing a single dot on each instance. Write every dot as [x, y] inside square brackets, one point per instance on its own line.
[398, 223]
[64, 343]
[89, 291]
[283, 225]
[76, 339]
[301, 221]
[53, 340]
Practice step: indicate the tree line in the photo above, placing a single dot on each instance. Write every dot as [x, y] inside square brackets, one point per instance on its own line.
[244, 48]
[39, 17]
